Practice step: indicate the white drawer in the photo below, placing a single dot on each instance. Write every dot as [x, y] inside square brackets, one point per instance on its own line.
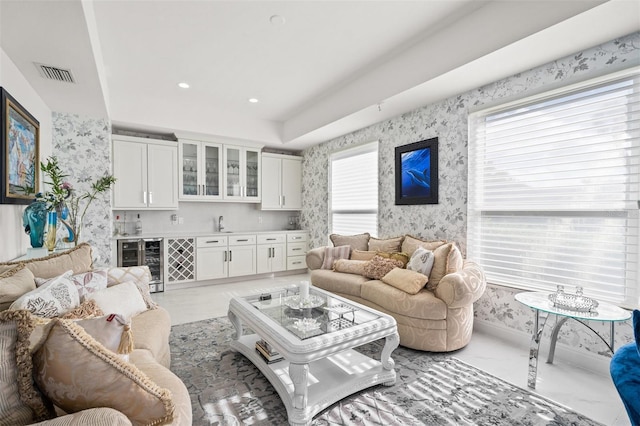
[271, 238]
[296, 249]
[214, 241]
[242, 240]
[297, 238]
[296, 262]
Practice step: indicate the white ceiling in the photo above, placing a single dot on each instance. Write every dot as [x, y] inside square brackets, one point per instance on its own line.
[332, 67]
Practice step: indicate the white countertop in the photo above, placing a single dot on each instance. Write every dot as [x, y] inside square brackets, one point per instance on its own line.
[188, 234]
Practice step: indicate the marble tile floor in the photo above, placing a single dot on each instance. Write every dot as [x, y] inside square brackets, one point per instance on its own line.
[588, 391]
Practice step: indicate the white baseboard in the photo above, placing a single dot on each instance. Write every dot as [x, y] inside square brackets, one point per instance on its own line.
[596, 363]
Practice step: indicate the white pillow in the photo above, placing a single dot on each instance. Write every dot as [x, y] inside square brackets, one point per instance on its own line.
[52, 299]
[123, 299]
[87, 282]
[421, 261]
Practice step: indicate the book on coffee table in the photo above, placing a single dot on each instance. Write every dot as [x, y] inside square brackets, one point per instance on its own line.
[267, 352]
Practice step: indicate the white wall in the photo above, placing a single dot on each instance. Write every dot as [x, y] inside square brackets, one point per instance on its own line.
[13, 240]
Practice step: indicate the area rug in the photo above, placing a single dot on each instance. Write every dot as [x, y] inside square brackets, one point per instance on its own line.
[431, 389]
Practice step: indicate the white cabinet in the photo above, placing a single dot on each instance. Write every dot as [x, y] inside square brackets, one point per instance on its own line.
[146, 174]
[281, 182]
[222, 256]
[200, 170]
[241, 178]
[211, 259]
[297, 244]
[271, 253]
[242, 255]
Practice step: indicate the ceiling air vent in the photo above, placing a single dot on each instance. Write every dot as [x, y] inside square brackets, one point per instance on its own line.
[55, 73]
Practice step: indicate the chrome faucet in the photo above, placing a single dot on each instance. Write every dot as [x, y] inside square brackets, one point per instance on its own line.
[220, 224]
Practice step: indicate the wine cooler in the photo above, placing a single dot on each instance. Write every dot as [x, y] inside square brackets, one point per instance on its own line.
[144, 251]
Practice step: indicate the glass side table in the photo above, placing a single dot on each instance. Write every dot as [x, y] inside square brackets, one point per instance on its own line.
[540, 303]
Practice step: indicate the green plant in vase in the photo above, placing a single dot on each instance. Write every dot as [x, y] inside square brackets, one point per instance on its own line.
[61, 198]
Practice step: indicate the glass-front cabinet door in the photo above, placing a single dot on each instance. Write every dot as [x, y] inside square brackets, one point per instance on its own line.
[242, 169]
[200, 176]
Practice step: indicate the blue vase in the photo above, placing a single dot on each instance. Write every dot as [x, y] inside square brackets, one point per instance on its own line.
[34, 220]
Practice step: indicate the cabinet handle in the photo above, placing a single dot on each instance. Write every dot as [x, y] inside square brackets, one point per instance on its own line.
[272, 250]
[283, 201]
[225, 256]
[230, 256]
[243, 240]
[271, 239]
[296, 249]
[150, 197]
[296, 263]
[212, 241]
[144, 197]
[296, 238]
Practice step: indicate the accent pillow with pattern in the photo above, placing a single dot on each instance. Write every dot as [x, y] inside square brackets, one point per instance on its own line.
[86, 282]
[380, 266]
[53, 299]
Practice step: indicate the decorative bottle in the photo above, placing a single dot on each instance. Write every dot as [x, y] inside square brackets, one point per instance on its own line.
[138, 225]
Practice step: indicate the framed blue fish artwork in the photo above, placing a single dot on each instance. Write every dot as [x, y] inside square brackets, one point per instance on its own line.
[417, 173]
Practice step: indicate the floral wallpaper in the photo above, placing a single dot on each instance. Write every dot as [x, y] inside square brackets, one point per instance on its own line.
[83, 147]
[447, 120]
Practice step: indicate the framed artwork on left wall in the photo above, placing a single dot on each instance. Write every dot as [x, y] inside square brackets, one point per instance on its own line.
[20, 144]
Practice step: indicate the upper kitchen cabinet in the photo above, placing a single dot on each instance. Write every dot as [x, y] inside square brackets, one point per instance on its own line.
[200, 171]
[146, 174]
[281, 182]
[242, 173]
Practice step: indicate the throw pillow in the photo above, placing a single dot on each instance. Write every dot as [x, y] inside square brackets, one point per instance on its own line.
[140, 275]
[402, 257]
[53, 299]
[362, 255]
[123, 299]
[79, 259]
[14, 283]
[406, 280]
[87, 309]
[20, 402]
[349, 266]
[410, 244]
[455, 262]
[331, 254]
[86, 282]
[439, 270]
[112, 383]
[421, 261]
[112, 331]
[379, 266]
[357, 242]
[387, 245]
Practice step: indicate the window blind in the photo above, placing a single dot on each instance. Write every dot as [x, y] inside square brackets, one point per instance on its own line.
[354, 190]
[554, 184]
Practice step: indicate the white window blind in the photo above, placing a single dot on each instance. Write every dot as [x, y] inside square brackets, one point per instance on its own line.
[554, 188]
[354, 190]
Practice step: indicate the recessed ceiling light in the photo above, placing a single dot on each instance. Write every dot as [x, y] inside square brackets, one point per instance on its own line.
[253, 100]
[183, 85]
[277, 20]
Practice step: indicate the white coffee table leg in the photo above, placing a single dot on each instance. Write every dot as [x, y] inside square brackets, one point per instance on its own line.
[391, 342]
[299, 374]
[237, 324]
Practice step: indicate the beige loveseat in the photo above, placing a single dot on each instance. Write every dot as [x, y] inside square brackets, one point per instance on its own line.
[438, 320]
[146, 374]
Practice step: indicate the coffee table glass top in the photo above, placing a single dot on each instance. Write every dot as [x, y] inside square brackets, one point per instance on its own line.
[604, 311]
[319, 314]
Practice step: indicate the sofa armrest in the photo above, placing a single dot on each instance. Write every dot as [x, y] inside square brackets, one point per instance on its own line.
[102, 416]
[462, 288]
[315, 258]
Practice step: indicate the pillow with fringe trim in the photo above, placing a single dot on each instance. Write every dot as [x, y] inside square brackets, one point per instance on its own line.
[113, 383]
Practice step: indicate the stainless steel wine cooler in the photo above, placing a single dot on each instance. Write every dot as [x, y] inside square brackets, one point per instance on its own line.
[144, 251]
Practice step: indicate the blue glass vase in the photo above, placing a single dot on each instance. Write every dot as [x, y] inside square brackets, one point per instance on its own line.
[34, 220]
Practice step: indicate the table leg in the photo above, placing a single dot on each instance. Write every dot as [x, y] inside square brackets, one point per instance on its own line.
[237, 324]
[554, 339]
[299, 374]
[390, 343]
[534, 347]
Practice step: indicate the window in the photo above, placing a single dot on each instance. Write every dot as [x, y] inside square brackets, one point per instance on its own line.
[554, 190]
[353, 196]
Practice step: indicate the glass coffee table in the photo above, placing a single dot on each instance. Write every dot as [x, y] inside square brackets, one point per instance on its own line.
[540, 303]
[305, 349]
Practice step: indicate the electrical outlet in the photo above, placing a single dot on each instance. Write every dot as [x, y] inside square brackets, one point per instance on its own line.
[174, 219]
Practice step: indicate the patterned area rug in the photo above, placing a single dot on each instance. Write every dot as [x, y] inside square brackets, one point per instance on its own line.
[431, 389]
